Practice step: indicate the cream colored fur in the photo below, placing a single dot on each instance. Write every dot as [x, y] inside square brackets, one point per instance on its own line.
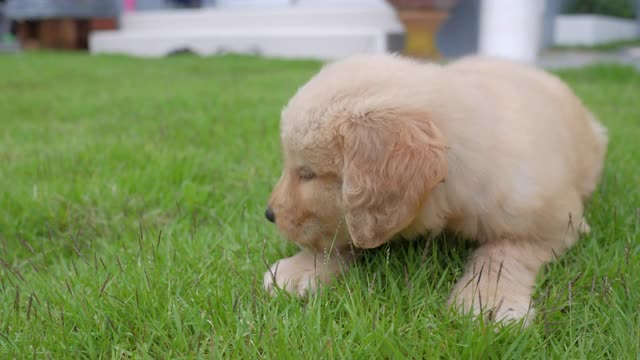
[381, 147]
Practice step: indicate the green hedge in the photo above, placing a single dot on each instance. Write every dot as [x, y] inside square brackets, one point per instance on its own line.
[619, 8]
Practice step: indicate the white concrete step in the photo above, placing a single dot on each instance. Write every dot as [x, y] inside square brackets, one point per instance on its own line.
[318, 43]
[379, 17]
[591, 30]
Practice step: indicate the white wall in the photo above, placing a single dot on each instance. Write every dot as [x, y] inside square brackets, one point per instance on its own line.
[314, 3]
[511, 28]
[252, 3]
[592, 29]
[334, 3]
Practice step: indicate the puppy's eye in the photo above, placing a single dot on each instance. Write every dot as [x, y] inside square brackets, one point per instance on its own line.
[306, 174]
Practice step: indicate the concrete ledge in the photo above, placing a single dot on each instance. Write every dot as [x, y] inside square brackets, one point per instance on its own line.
[297, 32]
[304, 17]
[592, 29]
[284, 42]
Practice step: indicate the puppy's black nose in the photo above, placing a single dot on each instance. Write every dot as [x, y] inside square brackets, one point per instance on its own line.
[270, 215]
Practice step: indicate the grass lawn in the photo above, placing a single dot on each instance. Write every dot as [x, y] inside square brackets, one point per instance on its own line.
[132, 195]
[604, 47]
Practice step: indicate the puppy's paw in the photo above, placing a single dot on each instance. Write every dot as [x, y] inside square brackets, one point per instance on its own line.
[305, 271]
[290, 276]
[584, 227]
[502, 307]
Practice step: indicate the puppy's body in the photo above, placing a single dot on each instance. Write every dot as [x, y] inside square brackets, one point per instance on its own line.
[500, 152]
[522, 154]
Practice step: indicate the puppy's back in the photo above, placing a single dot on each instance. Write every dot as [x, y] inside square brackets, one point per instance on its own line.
[543, 113]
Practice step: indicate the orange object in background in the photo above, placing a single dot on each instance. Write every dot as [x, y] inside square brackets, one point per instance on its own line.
[61, 24]
[63, 34]
[421, 29]
[422, 20]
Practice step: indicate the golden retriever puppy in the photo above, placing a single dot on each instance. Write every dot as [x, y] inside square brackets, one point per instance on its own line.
[382, 147]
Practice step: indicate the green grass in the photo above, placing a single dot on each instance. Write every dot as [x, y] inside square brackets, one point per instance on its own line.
[131, 225]
[604, 47]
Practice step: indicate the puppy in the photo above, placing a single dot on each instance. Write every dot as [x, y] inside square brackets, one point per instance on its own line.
[382, 147]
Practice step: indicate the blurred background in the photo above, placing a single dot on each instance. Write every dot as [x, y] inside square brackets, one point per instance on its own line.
[552, 32]
[133, 187]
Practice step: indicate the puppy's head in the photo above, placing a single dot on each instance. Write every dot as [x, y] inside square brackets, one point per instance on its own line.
[360, 158]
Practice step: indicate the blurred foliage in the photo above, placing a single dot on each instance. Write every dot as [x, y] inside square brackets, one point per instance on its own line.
[618, 8]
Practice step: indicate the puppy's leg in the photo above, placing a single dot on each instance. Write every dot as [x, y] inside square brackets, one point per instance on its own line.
[499, 279]
[302, 273]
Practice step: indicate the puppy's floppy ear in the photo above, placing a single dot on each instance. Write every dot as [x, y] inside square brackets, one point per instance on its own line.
[392, 160]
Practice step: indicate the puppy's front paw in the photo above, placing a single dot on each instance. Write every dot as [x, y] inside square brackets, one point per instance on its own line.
[289, 275]
[302, 273]
[501, 305]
